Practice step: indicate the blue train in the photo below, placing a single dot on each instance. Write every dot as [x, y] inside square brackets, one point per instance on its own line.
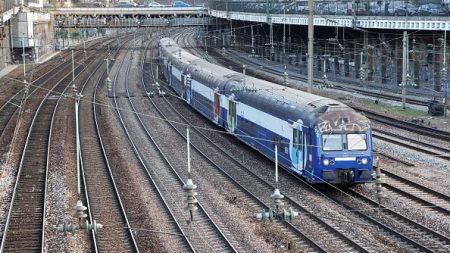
[318, 138]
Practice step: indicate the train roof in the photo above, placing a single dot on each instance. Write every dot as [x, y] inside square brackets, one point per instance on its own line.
[308, 106]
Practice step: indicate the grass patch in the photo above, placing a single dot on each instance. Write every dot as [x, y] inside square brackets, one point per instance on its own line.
[397, 110]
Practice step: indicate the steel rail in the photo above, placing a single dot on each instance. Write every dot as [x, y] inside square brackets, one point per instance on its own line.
[420, 187]
[82, 169]
[23, 160]
[401, 217]
[140, 156]
[109, 172]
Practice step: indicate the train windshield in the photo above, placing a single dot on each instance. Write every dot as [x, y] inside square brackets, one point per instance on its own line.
[356, 142]
[337, 142]
[332, 142]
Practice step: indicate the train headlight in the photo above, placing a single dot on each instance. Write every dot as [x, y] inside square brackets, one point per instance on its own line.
[364, 161]
[326, 162]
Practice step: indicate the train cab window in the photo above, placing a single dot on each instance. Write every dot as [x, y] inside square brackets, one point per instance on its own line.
[356, 142]
[332, 142]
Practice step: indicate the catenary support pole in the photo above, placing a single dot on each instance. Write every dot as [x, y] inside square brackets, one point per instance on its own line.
[405, 61]
[310, 44]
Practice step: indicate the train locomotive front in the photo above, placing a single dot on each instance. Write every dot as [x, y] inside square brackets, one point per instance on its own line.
[318, 138]
[343, 140]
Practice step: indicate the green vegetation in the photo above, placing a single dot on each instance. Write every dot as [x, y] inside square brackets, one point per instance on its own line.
[61, 34]
[397, 110]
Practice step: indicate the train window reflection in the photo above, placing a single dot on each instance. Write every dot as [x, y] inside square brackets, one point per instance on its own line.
[356, 142]
[332, 142]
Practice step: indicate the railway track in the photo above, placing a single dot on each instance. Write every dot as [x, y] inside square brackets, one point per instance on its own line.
[24, 223]
[317, 81]
[103, 200]
[420, 129]
[393, 158]
[424, 196]
[46, 74]
[421, 237]
[10, 106]
[202, 235]
[414, 144]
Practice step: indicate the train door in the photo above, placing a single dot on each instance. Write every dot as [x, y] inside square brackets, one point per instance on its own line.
[216, 106]
[187, 87]
[298, 149]
[170, 74]
[231, 115]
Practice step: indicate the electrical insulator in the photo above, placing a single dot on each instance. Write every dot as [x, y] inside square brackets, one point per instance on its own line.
[376, 161]
[109, 86]
[80, 210]
[277, 199]
[189, 195]
[379, 181]
[289, 214]
[27, 87]
[92, 227]
[263, 215]
[68, 228]
[74, 89]
[381, 193]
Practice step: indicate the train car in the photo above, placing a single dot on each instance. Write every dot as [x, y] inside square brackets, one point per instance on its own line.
[318, 138]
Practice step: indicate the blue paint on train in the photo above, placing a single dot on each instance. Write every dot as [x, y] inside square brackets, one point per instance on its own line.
[320, 139]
